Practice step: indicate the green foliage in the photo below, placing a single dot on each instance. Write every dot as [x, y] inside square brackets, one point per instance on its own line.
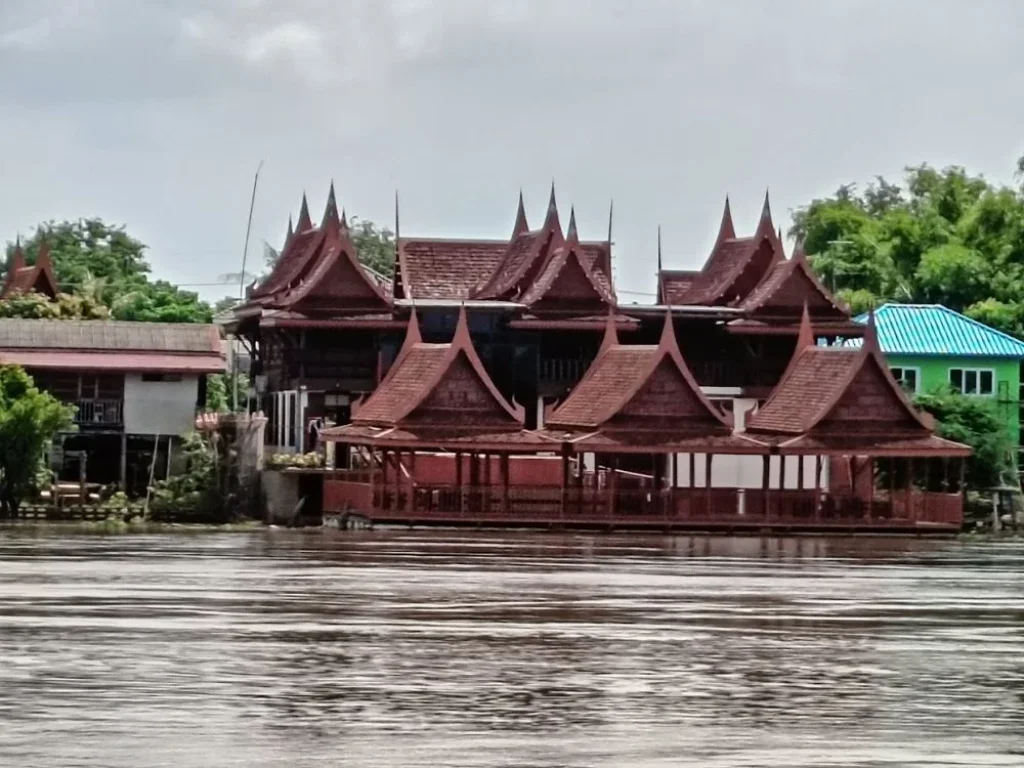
[196, 495]
[974, 422]
[375, 246]
[101, 266]
[943, 236]
[218, 392]
[67, 307]
[29, 420]
[298, 460]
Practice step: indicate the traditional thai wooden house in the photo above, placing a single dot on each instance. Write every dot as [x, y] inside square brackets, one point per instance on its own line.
[503, 356]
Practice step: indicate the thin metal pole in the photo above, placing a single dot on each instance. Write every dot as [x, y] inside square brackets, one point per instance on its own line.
[241, 286]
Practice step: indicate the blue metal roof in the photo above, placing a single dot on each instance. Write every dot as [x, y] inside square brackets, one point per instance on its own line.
[932, 329]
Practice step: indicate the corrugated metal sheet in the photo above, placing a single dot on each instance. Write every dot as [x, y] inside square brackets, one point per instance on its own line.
[932, 329]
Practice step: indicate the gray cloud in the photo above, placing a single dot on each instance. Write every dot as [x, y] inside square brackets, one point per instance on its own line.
[156, 113]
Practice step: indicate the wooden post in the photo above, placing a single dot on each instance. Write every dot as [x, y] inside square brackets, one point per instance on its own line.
[910, 490]
[410, 499]
[486, 494]
[124, 462]
[373, 508]
[693, 471]
[708, 457]
[871, 486]
[565, 479]
[398, 479]
[383, 478]
[170, 452]
[766, 469]
[505, 462]
[675, 470]
[817, 487]
[800, 472]
[892, 486]
[613, 482]
[782, 472]
[458, 482]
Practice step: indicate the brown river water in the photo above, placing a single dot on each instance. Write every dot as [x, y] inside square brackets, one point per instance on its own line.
[439, 648]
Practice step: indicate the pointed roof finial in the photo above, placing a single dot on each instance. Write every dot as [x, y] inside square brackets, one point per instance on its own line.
[765, 228]
[726, 230]
[766, 209]
[611, 211]
[344, 219]
[871, 333]
[290, 233]
[799, 254]
[805, 336]
[305, 222]
[521, 226]
[611, 334]
[330, 219]
[43, 257]
[668, 332]
[572, 234]
[551, 218]
[659, 252]
[18, 257]
[462, 337]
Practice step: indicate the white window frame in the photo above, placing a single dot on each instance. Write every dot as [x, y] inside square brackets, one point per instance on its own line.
[917, 376]
[977, 372]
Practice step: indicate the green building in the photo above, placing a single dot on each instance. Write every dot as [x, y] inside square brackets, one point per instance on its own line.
[929, 346]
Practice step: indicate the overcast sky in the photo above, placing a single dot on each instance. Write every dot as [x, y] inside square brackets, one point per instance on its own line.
[155, 113]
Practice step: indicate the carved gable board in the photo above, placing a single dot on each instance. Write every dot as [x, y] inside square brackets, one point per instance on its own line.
[665, 401]
[339, 281]
[796, 290]
[869, 404]
[461, 399]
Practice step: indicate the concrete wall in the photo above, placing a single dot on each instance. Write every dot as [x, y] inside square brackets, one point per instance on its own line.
[159, 407]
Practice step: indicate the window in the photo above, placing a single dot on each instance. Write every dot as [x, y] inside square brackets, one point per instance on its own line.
[973, 381]
[909, 378]
[153, 377]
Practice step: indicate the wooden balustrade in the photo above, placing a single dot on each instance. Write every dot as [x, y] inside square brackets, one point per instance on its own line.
[363, 491]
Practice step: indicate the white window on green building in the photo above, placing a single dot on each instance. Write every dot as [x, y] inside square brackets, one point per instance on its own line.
[908, 378]
[973, 381]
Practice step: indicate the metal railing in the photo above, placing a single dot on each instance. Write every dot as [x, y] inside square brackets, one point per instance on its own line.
[96, 411]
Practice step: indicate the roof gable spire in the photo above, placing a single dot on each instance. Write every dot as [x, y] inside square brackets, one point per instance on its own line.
[611, 334]
[611, 212]
[805, 336]
[726, 230]
[765, 227]
[659, 251]
[572, 236]
[17, 257]
[667, 341]
[520, 225]
[305, 222]
[330, 219]
[551, 221]
[289, 234]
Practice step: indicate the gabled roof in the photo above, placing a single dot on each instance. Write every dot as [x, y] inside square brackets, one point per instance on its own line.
[790, 285]
[639, 388]
[932, 329]
[674, 284]
[110, 345]
[736, 265]
[37, 278]
[838, 390]
[318, 270]
[569, 279]
[438, 386]
[437, 268]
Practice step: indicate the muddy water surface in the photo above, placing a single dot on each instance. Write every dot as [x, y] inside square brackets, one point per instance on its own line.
[449, 649]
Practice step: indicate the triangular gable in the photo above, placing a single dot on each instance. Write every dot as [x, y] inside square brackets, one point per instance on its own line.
[435, 384]
[461, 396]
[335, 280]
[869, 403]
[627, 385]
[36, 278]
[789, 286]
[666, 401]
[567, 281]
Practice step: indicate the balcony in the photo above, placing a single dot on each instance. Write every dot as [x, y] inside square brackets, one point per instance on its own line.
[99, 413]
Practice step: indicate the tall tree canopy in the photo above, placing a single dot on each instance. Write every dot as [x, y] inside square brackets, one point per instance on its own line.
[101, 265]
[942, 236]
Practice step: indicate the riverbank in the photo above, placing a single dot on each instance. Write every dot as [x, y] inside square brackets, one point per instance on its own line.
[113, 526]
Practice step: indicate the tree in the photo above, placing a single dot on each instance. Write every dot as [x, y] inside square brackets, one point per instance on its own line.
[974, 422]
[29, 420]
[104, 266]
[943, 236]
